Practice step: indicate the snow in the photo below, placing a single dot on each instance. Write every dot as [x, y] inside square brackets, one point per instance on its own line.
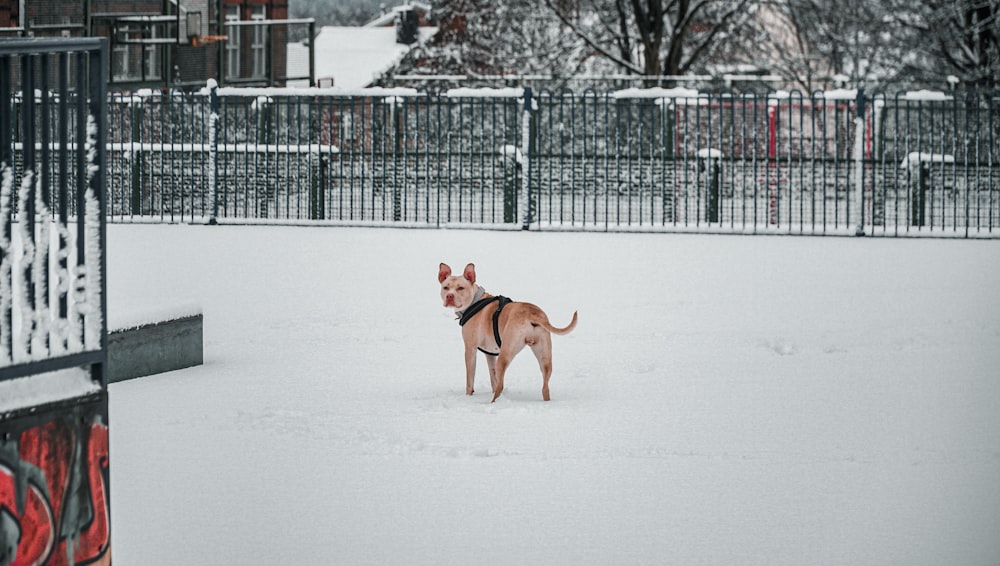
[353, 56]
[484, 92]
[710, 153]
[917, 157]
[723, 400]
[926, 95]
[656, 92]
[841, 94]
[45, 388]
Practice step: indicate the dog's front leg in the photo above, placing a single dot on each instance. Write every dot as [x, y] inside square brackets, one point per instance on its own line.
[470, 369]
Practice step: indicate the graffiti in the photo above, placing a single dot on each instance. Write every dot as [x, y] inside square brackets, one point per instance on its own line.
[54, 506]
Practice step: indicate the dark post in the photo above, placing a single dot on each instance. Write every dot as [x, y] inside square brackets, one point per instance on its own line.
[510, 177]
[918, 202]
[859, 161]
[710, 164]
[6, 168]
[213, 153]
[396, 110]
[530, 130]
[137, 157]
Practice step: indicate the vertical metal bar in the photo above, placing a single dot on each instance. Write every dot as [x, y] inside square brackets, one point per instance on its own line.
[572, 155]
[26, 196]
[6, 179]
[684, 151]
[609, 185]
[482, 154]
[801, 163]
[977, 160]
[98, 108]
[42, 277]
[82, 91]
[992, 145]
[213, 154]
[530, 131]
[63, 183]
[859, 160]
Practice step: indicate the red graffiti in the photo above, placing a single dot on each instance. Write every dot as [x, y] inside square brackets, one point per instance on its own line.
[35, 520]
[63, 511]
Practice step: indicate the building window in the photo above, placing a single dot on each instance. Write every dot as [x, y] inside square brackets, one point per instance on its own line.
[233, 43]
[126, 62]
[259, 45]
[153, 57]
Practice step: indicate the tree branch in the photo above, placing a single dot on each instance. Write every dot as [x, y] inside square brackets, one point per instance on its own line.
[591, 42]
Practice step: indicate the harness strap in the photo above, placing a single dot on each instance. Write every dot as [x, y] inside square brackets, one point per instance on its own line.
[479, 305]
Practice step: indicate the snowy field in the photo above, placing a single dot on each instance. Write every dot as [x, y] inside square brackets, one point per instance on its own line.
[723, 400]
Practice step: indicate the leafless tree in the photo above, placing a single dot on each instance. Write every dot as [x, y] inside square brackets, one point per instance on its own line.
[652, 37]
[953, 37]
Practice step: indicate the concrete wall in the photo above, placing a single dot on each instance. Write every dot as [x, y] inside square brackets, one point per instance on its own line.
[155, 348]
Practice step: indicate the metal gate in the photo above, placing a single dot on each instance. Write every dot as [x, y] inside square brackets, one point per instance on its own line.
[53, 335]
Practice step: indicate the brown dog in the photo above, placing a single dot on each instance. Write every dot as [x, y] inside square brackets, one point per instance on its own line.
[497, 327]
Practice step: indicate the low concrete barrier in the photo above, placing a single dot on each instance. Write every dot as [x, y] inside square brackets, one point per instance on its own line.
[155, 348]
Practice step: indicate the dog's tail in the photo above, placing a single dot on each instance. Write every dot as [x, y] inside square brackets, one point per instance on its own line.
[548, 326]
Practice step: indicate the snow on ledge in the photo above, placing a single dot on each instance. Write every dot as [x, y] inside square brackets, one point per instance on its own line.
[40, 389]
[657, 92]
[464, 92]
[710, 153]
[373, 92]
[132, 320]
[512, 151]
[841, 94]
[926, 95]
[916, 158]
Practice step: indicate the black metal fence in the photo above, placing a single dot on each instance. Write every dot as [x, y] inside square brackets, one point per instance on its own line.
[658, 160]
[52, 221]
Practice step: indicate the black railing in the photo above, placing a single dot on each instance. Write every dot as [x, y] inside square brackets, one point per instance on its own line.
[642, 159]
[53, 125]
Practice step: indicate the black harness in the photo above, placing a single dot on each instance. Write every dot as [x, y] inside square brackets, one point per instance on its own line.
[479, 305]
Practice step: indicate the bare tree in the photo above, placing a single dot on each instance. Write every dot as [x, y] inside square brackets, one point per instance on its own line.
[879, 43]
[652, 37]
[956, 37]
[823, 43]
[485, 37]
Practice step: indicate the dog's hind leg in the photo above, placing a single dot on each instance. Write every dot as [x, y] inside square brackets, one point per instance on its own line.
[507, 352]
[503, 361]
[491, 363]
[542, 348]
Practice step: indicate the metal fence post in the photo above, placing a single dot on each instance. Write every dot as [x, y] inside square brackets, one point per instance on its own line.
[137, 156]
[528, 128]
[511, 166]
[709, 165]
[213, 151]
[395, 113]
[859, 162]
[918, 204]
[317, 193]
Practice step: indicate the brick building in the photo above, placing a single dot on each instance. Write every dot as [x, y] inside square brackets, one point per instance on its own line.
[169, 43]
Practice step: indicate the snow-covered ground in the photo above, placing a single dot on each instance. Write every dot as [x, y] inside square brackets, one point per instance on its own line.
[723, 400]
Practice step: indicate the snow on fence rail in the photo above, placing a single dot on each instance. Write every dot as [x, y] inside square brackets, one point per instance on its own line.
[640, 159]
[52, 299]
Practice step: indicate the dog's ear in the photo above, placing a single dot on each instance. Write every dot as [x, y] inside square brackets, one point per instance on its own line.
[443, 272]
[470, 273]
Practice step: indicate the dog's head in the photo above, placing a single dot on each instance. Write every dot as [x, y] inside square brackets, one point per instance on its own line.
[457, 291]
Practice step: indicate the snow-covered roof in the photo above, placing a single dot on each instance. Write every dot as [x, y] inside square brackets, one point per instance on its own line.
[389, 16]
[352, 56]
